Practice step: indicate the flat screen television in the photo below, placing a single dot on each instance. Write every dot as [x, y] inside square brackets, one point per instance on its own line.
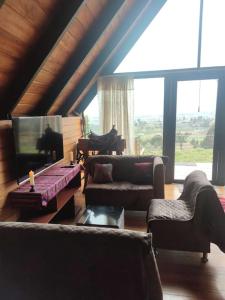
[38, 143]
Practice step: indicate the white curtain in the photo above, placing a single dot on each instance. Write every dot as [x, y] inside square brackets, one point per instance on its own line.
[116, 99]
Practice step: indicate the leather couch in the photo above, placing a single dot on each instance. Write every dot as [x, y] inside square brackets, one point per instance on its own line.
[191, 222]
[55, 262]
[123, 191]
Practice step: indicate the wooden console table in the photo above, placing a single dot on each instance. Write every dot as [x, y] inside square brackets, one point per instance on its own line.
[53, 197]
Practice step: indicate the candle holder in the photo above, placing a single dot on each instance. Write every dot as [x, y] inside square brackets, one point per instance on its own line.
[71, 158]
[32, 188]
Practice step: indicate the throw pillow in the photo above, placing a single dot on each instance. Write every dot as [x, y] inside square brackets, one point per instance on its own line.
[142, 173]
[103, 173]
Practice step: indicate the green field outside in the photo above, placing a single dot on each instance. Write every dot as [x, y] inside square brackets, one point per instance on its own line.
[194, 138]
[197, 155]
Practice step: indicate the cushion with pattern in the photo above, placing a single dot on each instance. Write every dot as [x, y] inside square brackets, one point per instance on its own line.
[103, 173]
[142, 173]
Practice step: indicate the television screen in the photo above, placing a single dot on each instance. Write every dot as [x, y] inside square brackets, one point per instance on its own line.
[38, 143]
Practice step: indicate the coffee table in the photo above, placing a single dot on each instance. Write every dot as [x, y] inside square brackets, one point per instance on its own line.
[102, 216]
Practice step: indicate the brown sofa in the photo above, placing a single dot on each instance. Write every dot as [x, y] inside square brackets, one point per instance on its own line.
[55, 262]
[122, 192]
[191, 222]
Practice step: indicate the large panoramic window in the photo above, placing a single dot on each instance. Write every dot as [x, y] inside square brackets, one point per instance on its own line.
[92, 119]
[189, 44]
[148, 115]
[213, 42]
[169, 42]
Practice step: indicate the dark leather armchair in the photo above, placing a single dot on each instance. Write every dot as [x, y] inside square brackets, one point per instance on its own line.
[191, 222]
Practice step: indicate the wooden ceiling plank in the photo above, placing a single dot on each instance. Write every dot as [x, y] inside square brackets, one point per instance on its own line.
[47, 5]
[80, 53]
[29, 10]
[85, 17]
[7, 63]
[15, 24]
[10, 45]
[117, 36]
[123, 50]
[62, 16]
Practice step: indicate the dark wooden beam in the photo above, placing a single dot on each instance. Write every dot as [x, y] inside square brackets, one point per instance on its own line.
[150, 11]
[103, 55]
[123, 50]
[87, 99]
[79, 54]
[41, 48]
[146, 18]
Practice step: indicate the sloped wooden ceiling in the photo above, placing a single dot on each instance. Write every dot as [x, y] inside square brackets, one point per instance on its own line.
[52, 51]
[29, 30]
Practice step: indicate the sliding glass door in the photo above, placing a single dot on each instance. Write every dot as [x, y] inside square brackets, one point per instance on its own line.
[195, 126]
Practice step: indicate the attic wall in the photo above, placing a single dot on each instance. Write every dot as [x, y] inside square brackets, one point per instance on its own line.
[71, 132]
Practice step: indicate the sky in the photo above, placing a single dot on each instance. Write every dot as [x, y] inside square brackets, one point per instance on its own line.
[170, 42]
[197, 95]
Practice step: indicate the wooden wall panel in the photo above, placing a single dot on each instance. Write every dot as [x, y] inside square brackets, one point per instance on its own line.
[71, 133]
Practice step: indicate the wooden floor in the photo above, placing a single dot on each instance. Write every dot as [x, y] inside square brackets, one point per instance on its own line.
[182, 274]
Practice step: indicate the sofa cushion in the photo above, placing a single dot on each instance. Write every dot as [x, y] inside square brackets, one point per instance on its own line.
[103, 173]
[118, 185]
[122, 164]
[119, 193]
[142, 173]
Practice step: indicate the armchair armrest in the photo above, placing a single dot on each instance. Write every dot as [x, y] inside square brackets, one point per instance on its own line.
[88, 169]
[158, 177]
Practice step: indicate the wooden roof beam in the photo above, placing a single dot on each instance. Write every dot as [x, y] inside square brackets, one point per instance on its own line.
[138, 8]
[123, 50]
[80, 53]
[49, 37]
